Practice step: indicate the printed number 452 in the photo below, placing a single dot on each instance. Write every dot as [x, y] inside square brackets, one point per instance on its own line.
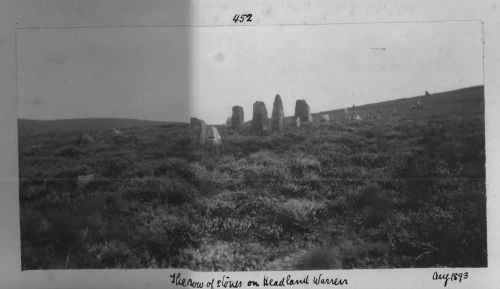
[242, 18]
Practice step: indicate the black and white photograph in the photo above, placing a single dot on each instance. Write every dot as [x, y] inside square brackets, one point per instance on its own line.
[252, 148]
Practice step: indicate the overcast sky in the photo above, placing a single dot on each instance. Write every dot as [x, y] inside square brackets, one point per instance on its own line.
[171, 74]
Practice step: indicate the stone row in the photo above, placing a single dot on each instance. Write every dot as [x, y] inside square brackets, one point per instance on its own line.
[260, 119]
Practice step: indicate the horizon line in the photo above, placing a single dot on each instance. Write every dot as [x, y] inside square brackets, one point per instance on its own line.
[182, 122]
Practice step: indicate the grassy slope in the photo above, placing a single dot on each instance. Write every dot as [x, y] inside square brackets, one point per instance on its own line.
[467, 100]
[398, 192]
[30, 126]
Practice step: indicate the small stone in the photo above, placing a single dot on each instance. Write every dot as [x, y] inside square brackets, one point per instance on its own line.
[85, 138]
[84, 180]
[346, 113]
[297, 122]
[214, 136]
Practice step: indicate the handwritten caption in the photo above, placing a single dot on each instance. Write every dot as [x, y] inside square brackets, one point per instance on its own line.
[227, 282]
[450, 277]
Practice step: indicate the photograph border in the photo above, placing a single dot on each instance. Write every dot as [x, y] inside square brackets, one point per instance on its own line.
[362, 278]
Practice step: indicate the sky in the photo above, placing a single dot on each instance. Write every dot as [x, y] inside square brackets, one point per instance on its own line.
[171, 74]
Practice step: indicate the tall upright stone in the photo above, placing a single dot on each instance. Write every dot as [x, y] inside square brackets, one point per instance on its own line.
[214, 136]
[198, 130]
[237, 118]
[302, 110]
[278, 115]
[260, 120]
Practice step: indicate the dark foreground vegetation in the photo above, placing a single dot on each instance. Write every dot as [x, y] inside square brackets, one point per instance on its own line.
[404, 191]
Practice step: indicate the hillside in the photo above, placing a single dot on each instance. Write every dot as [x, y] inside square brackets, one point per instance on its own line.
[403, 191]
[29, 126]
[461, 101]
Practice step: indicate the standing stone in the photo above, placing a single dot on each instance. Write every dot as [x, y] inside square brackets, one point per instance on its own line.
[198, 130]
[260, 120]
[238, 116]
[297, 122]
[302, 110]
[346, 113]
[278, 115]
[214, 136]
[229, 121]
[325, 118]
[358, 117]
[353, 112]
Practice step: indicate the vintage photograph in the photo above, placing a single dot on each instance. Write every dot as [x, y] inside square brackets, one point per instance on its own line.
[251, 148]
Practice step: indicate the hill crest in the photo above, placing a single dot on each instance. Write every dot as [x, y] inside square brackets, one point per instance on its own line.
[454, 101]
